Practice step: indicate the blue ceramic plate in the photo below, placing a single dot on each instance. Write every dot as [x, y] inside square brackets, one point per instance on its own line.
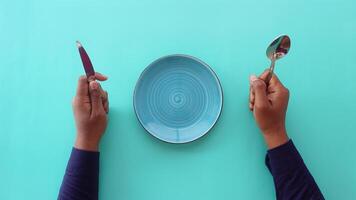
[178, 98]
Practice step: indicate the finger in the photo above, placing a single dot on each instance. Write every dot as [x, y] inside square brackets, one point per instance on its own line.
[95, 98]
[275, 85]
[251, 99]
[82, 88]
[97, 76]
[251, 96]
[264, 74]
[275, 80]
[104, 95]
[259, 88]
[105, 100]
[250, 106]
[107, 103]
[100, 77]
[106, 107]
[102, 92]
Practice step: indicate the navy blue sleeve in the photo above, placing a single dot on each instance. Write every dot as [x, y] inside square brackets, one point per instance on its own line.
[291, 177]
[81, 179]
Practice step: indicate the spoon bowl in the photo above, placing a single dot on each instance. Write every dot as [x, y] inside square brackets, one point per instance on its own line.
[278, 48]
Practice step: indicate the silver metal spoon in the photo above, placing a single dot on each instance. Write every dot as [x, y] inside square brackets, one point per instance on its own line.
[276, 50]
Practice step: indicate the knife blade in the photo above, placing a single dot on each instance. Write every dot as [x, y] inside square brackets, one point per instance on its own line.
[88, 67]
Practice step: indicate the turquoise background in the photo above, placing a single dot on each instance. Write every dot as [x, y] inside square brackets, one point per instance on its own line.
[39, 66]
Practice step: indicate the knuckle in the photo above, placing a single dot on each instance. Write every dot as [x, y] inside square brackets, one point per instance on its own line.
[82, 78]
[99, 116]
[95, 93]
[261, 107]
[74, 101]
[285, 91]
[259, 84]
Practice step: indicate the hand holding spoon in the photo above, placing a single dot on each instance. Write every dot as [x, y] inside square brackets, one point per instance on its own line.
[276, 50]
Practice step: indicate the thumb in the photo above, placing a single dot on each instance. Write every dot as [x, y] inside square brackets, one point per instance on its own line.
[95, 98]
[259, 88]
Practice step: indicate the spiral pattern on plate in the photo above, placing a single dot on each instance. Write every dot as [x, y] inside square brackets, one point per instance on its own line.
[178, 98]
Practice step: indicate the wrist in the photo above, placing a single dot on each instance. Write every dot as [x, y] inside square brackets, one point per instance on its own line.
[275, 138]
[87, 144]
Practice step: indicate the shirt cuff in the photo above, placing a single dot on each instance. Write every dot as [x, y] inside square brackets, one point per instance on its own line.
[83, 162]
[283, 158]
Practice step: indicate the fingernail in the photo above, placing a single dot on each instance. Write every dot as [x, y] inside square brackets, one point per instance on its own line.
[94, 85]
[91, 78]
[253, 78]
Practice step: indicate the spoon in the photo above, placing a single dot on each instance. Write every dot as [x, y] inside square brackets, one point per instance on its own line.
[276, 50]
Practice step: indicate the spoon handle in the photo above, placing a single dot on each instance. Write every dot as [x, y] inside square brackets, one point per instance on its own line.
[270, 74]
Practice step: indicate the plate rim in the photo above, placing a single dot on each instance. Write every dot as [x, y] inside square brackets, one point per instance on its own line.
[206, 66]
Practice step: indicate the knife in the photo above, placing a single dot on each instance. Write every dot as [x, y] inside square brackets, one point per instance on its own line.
[88, 67]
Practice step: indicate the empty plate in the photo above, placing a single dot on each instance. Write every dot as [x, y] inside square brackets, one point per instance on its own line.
[178, 98]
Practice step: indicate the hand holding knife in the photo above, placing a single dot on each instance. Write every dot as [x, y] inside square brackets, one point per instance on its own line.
[92, 76]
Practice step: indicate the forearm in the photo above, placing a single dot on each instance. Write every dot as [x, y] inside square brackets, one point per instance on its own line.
[291, 177]
[81, 179]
